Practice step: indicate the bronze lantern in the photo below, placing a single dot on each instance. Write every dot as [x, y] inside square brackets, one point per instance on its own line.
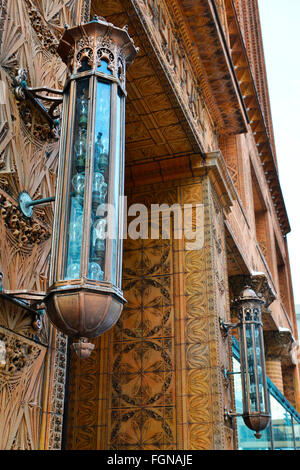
[256, 412]
[84, 298]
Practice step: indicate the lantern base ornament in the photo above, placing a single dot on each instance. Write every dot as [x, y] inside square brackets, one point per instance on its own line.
[257, 423]
[83, 349]
[83, 311]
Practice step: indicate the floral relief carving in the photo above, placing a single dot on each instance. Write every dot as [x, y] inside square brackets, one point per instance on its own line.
[24, 232]
[142, 429]
[205, 285]
[19, 355]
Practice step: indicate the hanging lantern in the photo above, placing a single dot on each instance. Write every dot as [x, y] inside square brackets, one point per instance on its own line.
[84, 298]
[256, 413]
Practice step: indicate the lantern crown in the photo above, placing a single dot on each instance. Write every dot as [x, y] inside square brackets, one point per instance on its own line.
[249, 295]
[90, 43]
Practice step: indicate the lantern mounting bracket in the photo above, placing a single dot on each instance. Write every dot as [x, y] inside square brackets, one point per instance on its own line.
[26, 204]
[36, 312]
[226, 327]
[227, 374]
[228, 414]
[36, 96]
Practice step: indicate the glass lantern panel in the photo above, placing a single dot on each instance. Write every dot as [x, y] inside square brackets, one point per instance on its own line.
[77, 183]
[85, 65]
[244, 377]
[251, 369]
[116, 190]
[259, 361]
[100, 182]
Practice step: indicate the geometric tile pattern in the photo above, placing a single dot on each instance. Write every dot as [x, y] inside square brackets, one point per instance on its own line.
[155, 380]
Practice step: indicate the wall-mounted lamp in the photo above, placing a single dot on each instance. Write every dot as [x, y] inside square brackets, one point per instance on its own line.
[256, 413]
[84, 298]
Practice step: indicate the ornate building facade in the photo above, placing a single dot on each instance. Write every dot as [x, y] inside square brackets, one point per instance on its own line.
[198, 132]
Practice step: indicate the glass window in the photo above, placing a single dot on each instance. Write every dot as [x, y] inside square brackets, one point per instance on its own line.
[297, 433]
[282, 426]
[247, 440]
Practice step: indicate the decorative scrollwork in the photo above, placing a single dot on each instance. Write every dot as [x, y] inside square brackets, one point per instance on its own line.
[85, 54]
[18, 354]
[23, 232]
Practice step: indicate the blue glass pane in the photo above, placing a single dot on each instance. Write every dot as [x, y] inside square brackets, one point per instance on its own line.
[85, 65]
[238, 393]
[100, 182]
[251, 368]
[259, 371]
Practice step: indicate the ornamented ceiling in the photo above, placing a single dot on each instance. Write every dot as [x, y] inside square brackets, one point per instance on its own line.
[157, 126]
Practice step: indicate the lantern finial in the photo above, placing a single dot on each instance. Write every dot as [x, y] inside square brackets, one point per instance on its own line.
[83, 348]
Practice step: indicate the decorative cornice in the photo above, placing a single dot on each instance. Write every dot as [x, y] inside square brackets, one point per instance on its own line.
[249, 19]
[278, 344]
[203, 34]
[261, 134]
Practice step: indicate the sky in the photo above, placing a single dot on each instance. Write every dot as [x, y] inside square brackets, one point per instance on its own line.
[281, 38]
